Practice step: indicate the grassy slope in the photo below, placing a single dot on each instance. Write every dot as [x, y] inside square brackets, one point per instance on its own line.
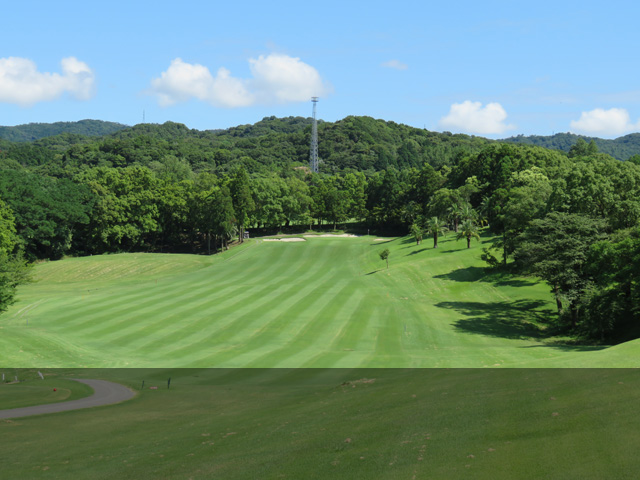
[326, 302]
[343, 424]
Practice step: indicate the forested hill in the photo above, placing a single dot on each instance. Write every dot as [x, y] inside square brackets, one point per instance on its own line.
[352, 144]
[572, 219]
[621, 148]
[36, 131]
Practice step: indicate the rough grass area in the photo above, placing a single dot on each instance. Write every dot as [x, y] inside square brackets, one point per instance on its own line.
[342, 424]
[322, 303]
[28, 392]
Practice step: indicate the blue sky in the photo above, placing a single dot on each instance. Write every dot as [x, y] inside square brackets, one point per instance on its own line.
[493, 68]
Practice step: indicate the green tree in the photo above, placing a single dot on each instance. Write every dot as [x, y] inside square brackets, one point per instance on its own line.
[613, 306]
[296, 204]
[436, 227]
[455, 213]
[8, 238]
[49, 212]
[384, 255]
[126, 215]
[468, 230]
[243, 203]
[416, 232]
[555, 248]
[268, 195]
[13, 269]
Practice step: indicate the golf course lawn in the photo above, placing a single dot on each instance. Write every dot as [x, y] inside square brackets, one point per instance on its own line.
[340, 423]
[318, 303]
[298, 360]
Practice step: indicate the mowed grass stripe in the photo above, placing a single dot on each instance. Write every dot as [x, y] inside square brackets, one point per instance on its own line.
[320, 303]
[270, 331]
[315, 328]
[119, 315]
[119, 312]
[335, 261]
[282, 332]
[232, 340]
[111, 298]
[253, 308]
[189, 321]
[175, 304]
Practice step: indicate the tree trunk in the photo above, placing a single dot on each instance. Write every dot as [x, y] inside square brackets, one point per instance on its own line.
[468, 242]
[504, 248]
[435, 240]
[574, 314]
[556, 291]
[208, 243]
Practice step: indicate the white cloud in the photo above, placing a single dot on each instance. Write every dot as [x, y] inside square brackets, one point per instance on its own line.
[21, 82]
[615, 121]
[183, 81]
[275, 79]
[395, 64]
[472, 117]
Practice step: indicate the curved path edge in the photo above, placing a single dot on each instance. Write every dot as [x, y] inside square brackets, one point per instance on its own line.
[105, 393]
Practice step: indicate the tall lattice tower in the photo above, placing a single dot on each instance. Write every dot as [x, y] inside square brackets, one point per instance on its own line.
[313, 157]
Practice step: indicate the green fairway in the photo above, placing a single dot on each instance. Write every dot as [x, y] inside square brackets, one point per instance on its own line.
[342, 424]
[321, 303]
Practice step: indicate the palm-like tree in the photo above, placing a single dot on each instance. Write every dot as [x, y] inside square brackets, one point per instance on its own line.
[468, 230]
[455, 211]
[436, 227]
[416, 232]
[468, 213]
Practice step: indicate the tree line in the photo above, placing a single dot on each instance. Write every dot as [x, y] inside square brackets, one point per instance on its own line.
[570, 219]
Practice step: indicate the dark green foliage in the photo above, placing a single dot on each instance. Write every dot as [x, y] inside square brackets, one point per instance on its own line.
[126, 211]
[556, 249]
[8, 238]
[384, 255]
[621, 148]
[243, 203]
[35, 131]
[48, 211]
[13, 269]
[613, 305]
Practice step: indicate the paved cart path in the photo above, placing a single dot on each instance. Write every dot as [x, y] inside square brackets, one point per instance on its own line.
[105, 393]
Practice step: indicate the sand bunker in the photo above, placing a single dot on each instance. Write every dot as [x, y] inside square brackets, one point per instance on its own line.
[292, 239]
[341, 235]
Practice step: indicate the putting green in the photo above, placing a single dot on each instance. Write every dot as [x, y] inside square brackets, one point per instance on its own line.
[323, 302]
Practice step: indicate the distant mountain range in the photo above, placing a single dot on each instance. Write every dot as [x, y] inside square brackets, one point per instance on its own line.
[621, 148]
[36, 131]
